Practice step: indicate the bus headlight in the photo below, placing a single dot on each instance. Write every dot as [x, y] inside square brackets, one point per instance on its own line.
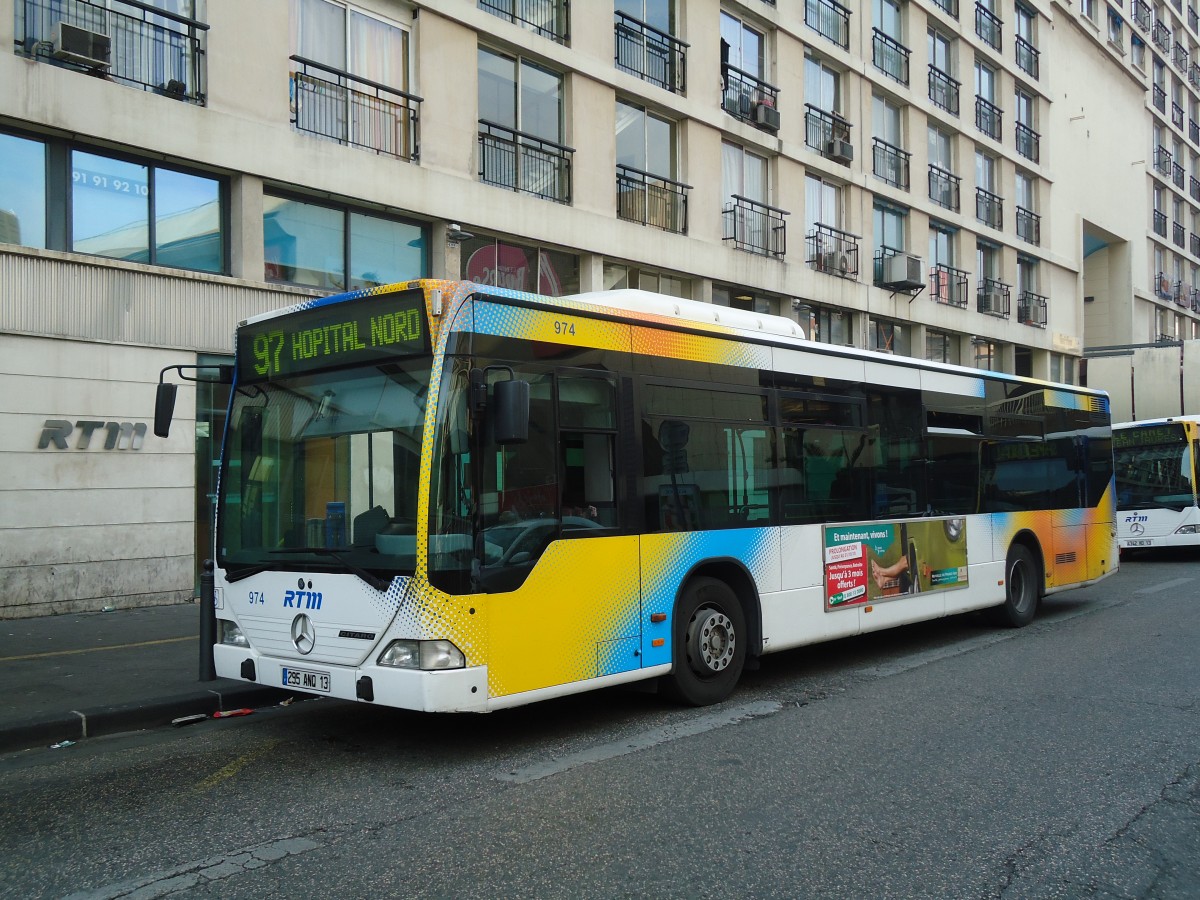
[229, 633]
[1188, 529]
[424, 655]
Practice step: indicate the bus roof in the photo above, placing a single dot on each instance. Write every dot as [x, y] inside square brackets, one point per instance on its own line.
[1166, 420]
[647, 302]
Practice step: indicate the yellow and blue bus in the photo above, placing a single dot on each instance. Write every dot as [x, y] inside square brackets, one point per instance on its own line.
[445, 496]
[1157, 483]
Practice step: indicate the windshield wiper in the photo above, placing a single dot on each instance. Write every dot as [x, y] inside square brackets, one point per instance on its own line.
[373, 580]
[239, 574]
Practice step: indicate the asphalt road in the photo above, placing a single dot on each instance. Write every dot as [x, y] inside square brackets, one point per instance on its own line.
[943, 760]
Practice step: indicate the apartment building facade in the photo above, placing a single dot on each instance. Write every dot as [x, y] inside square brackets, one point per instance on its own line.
[910, 177]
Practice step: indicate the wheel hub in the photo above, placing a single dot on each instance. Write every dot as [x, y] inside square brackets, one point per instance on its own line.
[711, 641]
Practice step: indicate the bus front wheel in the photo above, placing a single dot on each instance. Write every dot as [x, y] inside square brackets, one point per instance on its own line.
[1020, 589]
[710, 643]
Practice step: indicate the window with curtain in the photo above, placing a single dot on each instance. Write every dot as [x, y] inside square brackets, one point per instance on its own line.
[985, 82]
[742, 173]
[941, 244]
[885, 120]
[889, 227]
[822, 85]
[886, 15]
[940, 149]
[822, 204]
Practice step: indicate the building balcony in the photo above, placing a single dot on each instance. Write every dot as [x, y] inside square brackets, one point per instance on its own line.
[832, 251]
[651, 200]
[1029, 226]
[1029, 142]
[1180, 57]
[1162, 161]
[988, 26]
[1031, 309]
[1193, 75]
[524, 163]
[891, 164]
[989, 208]
[949, 286]
[889, 56]
[1159, 98]
[948, 6]
[1177, 174]
[829, 19]
[1160, 223]
[750, 99]
[1178, 234]
[1162, 286]
[549, 18]
[1028, 57]
[141, 46]
[1193, 19]
[1193, 131]
[755, 227]
[828, 134]
[1194, 244]
[989, 118]
[650, 54]
[1161, 35]
[992, 298]
[1177, 116]
[354, 111]
[943, 90]
[1141, 15]
[1183, 294]
[944, 188]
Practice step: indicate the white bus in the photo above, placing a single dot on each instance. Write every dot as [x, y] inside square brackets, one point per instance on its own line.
[1156, 472]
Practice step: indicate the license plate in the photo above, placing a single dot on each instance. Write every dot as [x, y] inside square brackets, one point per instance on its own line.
[1138, 543]
[306, 679]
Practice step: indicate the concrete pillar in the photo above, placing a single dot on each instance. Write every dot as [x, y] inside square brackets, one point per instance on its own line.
[246, 254]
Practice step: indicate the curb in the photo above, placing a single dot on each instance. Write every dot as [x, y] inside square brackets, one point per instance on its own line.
[97, 721]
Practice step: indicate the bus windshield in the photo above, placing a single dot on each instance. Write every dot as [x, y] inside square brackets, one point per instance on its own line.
[322, 470]
[1153, 473]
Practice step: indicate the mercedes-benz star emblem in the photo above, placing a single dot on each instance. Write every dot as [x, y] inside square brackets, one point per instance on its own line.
[1137, 528]
[304, 636]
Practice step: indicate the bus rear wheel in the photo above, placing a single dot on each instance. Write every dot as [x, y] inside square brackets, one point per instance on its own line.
[710, 643]
[1020, 589]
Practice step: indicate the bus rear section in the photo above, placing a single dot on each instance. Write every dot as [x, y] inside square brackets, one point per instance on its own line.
[1156, 479]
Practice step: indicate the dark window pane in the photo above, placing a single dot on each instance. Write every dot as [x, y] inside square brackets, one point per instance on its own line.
[665, 399]
[22, 191]
[303, 243]
[187, 221]
[383, 252]
[110, 207]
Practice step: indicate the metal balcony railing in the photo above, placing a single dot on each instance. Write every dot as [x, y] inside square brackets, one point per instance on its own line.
[825, 131]
[1141, 15]
[1193, 131]
[1178, 234]
[1162, 161]
[1159, 96]
[1194, 188]
[755, 227]
[149, 47]
[1028, 57]
[949, 286]
[1160, 223]
[1029, 226]
[989, 118]
[1177, 115]
[944, 188]
[652, 200]
[1181, 293]
[943, 90]
[354, 111]
[1029, 142]
[891, 163]
[750, 99]
[993, 298]
[1193, 19]
[1180, 57]
[889, 56]
[832, 251]
[650, 54]
[1194, 244]
[948, 6]
[1194, 75]
[989, 208]
[1031, 309]
[1177, 174]
[549, 18]
[1161, 36]
[524, 163]
[829, 19]
[988, 26]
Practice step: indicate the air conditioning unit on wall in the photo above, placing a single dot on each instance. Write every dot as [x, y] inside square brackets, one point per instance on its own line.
[78, 45]
[766, 117]
[903, 272]
[840, 151]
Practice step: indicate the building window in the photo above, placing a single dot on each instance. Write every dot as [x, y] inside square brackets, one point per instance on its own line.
[121, 208]
[889, 222]
[520, 139]
[987, 354]
[825, 325]
[521, 267]
[316, 245]
[941, 244]
[1116, 31]
[941, 347]
[618, 276]
[748, 221]
[647, 191]
[545, 17]
[646, 43]
[889, 337]
[744, 73]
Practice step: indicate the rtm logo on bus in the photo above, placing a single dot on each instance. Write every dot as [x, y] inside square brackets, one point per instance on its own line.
[1137, 518]
[302, 599]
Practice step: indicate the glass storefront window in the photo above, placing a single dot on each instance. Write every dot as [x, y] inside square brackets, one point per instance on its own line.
[110, 207]
[187, 221]
[487, 260]
[22, 191]
[304, 243]
[383, 251]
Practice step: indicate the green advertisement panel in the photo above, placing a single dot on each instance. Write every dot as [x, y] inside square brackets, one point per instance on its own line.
[867, 563]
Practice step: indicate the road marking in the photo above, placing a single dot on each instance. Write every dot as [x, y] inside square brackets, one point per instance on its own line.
[94, 649]
[201, 872]
[227, 772]
[643, 741]
[1165, 586]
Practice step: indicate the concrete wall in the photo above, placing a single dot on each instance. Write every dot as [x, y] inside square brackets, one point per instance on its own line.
[1149, 382]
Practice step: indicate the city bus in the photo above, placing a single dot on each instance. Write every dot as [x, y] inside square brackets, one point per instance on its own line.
[1156, 476]
[445, 496]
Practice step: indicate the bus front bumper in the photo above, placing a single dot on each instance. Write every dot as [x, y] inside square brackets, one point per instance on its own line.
[449, 690]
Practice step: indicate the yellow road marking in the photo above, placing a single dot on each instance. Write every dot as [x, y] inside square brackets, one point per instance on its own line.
[227, 772]
[94, 649]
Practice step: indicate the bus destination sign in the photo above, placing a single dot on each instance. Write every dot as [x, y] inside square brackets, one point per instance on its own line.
[1148, 436]
[370, 329]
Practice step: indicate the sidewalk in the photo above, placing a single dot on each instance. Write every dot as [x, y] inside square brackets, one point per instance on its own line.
[87, 674]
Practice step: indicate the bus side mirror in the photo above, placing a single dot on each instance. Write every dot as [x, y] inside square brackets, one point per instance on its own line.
[510, 422]
[164, 408]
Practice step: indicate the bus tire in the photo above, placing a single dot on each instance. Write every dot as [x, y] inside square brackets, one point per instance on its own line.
[710, 643]
[1020, 589]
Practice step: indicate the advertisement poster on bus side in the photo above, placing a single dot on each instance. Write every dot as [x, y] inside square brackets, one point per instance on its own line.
[875, 561]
